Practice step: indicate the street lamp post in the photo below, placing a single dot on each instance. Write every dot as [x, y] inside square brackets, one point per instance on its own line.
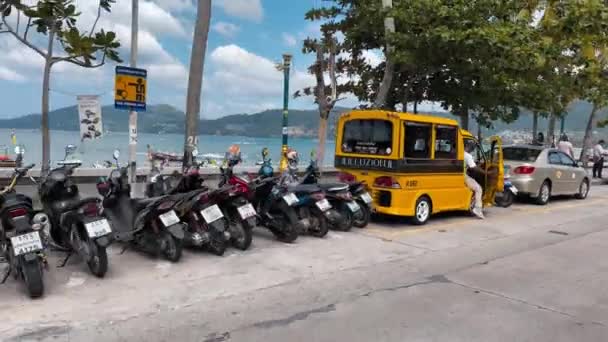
[133, 113]
[286, 67]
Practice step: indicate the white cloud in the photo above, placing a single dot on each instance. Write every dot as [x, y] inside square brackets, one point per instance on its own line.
[225, 29]
[251, 79]
[9, 75]
[289, 40]
[373, 57]
[244, 9]
[176, 5]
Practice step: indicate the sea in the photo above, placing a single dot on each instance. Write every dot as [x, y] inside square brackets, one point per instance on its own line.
[212, 147]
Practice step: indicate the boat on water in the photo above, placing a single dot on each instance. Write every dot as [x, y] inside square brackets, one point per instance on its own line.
[9, 161]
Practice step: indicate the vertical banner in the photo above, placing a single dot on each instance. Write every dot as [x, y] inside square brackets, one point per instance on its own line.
[89, 116]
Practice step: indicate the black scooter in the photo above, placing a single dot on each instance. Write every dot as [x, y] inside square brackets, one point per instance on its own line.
[151, 225]
[351, 200]
[23, 238]
[77, 225]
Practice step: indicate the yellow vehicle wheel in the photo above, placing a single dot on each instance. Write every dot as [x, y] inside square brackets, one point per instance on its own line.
[422, 211]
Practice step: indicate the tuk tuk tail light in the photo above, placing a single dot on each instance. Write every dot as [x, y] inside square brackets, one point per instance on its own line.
[387, 182]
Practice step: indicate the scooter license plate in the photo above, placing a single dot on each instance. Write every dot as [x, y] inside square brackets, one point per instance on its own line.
[353, 206]
[26, 243]
[290, 199]
[169, 218]
[212, 214]
[513, 189]
[323, 205]
[246, 211]
[98, 228]
[366, 197]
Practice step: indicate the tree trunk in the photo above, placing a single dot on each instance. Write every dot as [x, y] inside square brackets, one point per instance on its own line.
[415, 107]
[464, 119]
[44, 120]
[551, 130]
[389, 68]
[322, 139]
[587, 142]
[535, 127]
[195, 78]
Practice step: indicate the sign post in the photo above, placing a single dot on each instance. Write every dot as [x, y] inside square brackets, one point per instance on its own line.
[130, 88]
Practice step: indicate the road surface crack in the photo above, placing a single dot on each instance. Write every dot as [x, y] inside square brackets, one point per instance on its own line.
[300, 316]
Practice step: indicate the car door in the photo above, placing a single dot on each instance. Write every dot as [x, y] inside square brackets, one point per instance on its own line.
[572, 176]
[557, 174]
[495, 171]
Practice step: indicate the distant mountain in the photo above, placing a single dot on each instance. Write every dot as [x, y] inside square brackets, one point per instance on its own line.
[167, 119]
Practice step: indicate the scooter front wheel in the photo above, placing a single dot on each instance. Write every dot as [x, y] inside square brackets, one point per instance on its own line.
[240, 235]
[361, 220]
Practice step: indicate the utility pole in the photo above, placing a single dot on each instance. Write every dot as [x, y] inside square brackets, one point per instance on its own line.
[133, 113]
[562, 124]
[285, 67]
[195, 79]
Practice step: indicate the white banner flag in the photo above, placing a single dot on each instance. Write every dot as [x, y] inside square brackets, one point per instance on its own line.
[89, 116]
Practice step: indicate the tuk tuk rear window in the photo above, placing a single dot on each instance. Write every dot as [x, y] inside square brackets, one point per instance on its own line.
[523, 154]
[368, 136]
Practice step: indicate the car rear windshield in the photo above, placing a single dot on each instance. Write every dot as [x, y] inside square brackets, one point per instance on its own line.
[523, 154]
[368, 137]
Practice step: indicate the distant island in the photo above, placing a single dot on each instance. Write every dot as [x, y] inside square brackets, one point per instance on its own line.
[164, 118]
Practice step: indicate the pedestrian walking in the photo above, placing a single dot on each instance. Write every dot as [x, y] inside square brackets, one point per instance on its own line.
[598, 159]
[471, 183]
[565, 145]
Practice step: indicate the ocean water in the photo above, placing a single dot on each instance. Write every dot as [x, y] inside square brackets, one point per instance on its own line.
[209, 146]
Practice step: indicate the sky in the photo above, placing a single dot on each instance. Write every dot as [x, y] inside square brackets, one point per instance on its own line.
[246, 39]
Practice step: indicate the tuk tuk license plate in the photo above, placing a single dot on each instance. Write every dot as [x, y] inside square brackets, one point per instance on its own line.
[169, 218]
[290, 199]
[26, 243]
[246, 211]
[323, 204]
[353, 206]
[212, 214]
[98, 228]
[366, 197]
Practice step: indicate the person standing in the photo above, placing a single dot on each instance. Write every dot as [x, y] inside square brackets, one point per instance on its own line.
[565, 145]
[598, 159]
[470, 165]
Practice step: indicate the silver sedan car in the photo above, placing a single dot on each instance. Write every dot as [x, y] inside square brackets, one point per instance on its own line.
[544, 172]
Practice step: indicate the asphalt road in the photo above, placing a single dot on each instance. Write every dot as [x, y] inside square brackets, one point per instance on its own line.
[526, 273]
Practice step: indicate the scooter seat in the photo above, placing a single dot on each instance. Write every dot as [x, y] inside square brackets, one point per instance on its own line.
[140, 203]
[304, 188]
[333, 187]
[75, 203]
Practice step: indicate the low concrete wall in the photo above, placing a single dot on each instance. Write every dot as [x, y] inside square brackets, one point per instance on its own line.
[91, 175]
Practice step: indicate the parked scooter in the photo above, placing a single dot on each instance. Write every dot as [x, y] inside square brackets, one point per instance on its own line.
[23, 238]
[273, 203]
[149, 224]
[338, 195]
[506, 198]
[207, 226]
[77, 225]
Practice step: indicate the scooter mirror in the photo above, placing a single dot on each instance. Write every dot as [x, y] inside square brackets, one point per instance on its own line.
[116, 154]
[69, 149]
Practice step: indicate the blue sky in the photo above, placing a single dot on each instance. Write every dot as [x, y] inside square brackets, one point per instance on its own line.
[246, 38]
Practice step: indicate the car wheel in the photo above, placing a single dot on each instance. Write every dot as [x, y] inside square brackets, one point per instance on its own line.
[544, 194]
[583, 190]
[422, 211]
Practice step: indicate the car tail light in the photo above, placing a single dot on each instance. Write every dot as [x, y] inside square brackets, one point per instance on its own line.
[90, 209]
[317, 196]
[166, 205]
[387, 182]
[346, 177]
[524, 170]
[17, 212]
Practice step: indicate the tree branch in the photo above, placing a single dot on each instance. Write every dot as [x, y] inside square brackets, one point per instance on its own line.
[75, 61]
[27, 28]
[96, 20]
[22, 40]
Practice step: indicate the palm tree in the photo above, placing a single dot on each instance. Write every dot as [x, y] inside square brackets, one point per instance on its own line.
[195, 78]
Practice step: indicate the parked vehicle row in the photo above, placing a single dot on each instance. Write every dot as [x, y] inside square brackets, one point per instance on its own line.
[170, 217]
